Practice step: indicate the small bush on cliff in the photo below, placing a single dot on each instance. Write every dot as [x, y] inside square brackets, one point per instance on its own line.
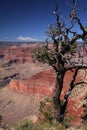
[68, 121]
[29, 125]
[85, 127]
[46, 110]
[25, 125]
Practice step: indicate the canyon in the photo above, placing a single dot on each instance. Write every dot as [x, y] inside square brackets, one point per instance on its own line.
[24, 83]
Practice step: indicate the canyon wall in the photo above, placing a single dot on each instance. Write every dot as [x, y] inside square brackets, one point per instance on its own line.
[26, 79]
[41, 83]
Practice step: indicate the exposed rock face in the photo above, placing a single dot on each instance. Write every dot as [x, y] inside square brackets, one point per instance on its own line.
[41, 83]
[29, 83]
[76, 98]
[15, 106]
[14, 55]
[44, 83]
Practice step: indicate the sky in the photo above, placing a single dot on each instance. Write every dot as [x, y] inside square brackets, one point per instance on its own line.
[27, 20]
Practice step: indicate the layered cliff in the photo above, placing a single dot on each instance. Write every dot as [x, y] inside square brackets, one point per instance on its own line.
[41, 83]
[28, 83]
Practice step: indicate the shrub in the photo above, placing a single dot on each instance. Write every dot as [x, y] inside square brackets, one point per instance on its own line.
[29, 125]
[46, 110]
[25, 125]
[85, 127]
[68, 121]
[49, 126]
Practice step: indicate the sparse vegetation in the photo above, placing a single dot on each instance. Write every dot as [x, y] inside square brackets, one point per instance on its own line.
[28, 125]
[25, 125]
[46, 113]
[85, 127]
[46, 110]
[67, 122]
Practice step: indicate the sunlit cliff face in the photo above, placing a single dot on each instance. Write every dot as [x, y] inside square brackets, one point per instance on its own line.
[32, 82]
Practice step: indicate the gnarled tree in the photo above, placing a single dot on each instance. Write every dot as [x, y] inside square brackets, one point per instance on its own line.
[64, 53]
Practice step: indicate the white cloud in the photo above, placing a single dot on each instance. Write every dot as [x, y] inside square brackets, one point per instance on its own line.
[22, 38]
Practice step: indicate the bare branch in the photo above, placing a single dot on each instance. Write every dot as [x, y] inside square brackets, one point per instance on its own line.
[76, 66]
[55, 11]
[82, 82]
[81, 26]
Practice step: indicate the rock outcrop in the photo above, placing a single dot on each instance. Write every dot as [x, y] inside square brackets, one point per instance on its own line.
[44, 83]
[41, 83]
[15, 106]
[16, 54]
[28, 83]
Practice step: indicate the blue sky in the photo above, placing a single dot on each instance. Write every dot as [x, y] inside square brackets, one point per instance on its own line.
[27, 20]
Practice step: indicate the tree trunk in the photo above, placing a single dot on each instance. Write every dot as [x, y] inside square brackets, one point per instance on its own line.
[63, 109]
[56, 97]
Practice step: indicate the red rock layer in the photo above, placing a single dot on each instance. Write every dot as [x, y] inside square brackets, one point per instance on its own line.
[41, 83]
[44, 83]
[20, 54]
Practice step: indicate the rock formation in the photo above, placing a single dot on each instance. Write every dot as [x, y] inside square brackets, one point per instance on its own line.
[27, 83]
[40, 83]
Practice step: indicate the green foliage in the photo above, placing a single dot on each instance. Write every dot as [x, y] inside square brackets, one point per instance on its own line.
[46, 110]
[85, 127]
[28, 125]
[68, 121]
[46, 117]
[43, 55]
[49, 126]
[25, 125]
